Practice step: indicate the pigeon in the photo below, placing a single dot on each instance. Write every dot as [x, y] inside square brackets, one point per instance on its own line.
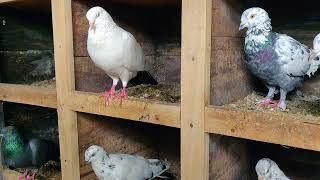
[123, 166]
[315, 54]
[20, 153]
[267, 169]
[278, 60]
[115, 51]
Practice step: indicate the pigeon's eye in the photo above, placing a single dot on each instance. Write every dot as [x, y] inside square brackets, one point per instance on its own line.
[93, 154]
[252, 16]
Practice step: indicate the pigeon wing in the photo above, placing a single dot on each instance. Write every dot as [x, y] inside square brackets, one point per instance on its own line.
[292, 56]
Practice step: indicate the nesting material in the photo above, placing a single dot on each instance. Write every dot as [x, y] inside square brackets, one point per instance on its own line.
[51, 83]
[160, 92]
[49, 171]
[307, 107]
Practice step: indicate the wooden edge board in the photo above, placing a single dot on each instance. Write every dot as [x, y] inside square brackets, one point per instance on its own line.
[10, 174]
[8, 1]
[131, 109]
[265, 127]
[31, 95]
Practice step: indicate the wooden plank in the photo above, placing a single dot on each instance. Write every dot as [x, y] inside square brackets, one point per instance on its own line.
[25, 94]
[10, 174]
[195, 51]
[64, 68]
[131, 109]
[266, 127]
[37, 5]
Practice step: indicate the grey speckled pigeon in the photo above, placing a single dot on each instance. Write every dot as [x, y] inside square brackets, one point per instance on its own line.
[278, 60]
[267, 169]
[122, 166]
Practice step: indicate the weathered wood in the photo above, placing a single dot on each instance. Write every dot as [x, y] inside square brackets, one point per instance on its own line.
[39, 6]
[10, 175]
[137, 110]
[226, 18]
[64, 61]
[28, 95]
[229, 158]
[266, 127]
[230, 79]
[195, 55]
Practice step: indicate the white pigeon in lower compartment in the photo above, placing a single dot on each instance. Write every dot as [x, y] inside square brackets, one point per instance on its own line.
[123, 166]
[115, 51]
[315, 55]
[267, 169]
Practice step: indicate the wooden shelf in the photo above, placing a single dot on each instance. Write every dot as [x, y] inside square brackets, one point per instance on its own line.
[10, 174]
[38, 5]
[131, 109]
[267, 127]
[25, 94]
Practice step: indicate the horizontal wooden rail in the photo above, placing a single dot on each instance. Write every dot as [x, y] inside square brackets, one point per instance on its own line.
[31, 95]
[284, 129]
[131, 109]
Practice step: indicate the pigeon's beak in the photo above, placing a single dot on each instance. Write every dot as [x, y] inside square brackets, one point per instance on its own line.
[260, 178]
[87, 161]
[92, 25]
[242, 26]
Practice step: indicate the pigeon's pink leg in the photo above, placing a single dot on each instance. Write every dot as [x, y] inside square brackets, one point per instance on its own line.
[108, 94]
[266, 102]
[33, 176]
[123, 95]
[23, 176]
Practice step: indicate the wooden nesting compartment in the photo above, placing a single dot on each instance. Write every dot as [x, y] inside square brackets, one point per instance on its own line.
[234, 90]
[159, 35]
[34, 122]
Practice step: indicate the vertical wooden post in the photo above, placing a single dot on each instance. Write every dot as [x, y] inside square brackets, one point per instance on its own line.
[65, 85]
[195, 52]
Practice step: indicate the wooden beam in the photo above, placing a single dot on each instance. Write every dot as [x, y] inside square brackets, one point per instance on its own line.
[195, 51]
[10, 174]
[131, 109]
[25, 94]
[64, 68]
[285, 130]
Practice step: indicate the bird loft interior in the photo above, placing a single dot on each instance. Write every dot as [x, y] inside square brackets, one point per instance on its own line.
[172, 120]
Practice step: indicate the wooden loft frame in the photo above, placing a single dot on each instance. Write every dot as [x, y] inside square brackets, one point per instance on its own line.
[194, 116]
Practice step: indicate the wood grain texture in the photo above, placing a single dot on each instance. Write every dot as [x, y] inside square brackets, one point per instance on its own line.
[230, 79]
[137, 110]
[229, 158]
[195, 55]
[28, 95]
[64, 68]
[121, 136]
[266, 127]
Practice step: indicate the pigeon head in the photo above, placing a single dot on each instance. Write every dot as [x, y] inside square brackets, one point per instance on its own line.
[255, 18]
[98, 16]
[265, 167]
[94, 153]
[316, 48]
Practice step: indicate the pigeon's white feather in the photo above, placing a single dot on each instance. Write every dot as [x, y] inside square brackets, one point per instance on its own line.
[122, 166]
[113, 49]
[292, 55]
[315, 56]
[267, 169]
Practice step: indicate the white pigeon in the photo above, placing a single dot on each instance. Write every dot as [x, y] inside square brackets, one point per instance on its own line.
[122, 166]
[315, 54]
[267, 169]
[113, 50]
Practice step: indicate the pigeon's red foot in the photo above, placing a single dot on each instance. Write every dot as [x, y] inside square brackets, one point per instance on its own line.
[122, 95]
[108, 94]
[23, 176]
[266, 102]
[33, 176]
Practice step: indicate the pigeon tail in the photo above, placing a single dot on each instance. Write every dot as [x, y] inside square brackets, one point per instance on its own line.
[158, 168]
[143, 77]
[315, 63]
